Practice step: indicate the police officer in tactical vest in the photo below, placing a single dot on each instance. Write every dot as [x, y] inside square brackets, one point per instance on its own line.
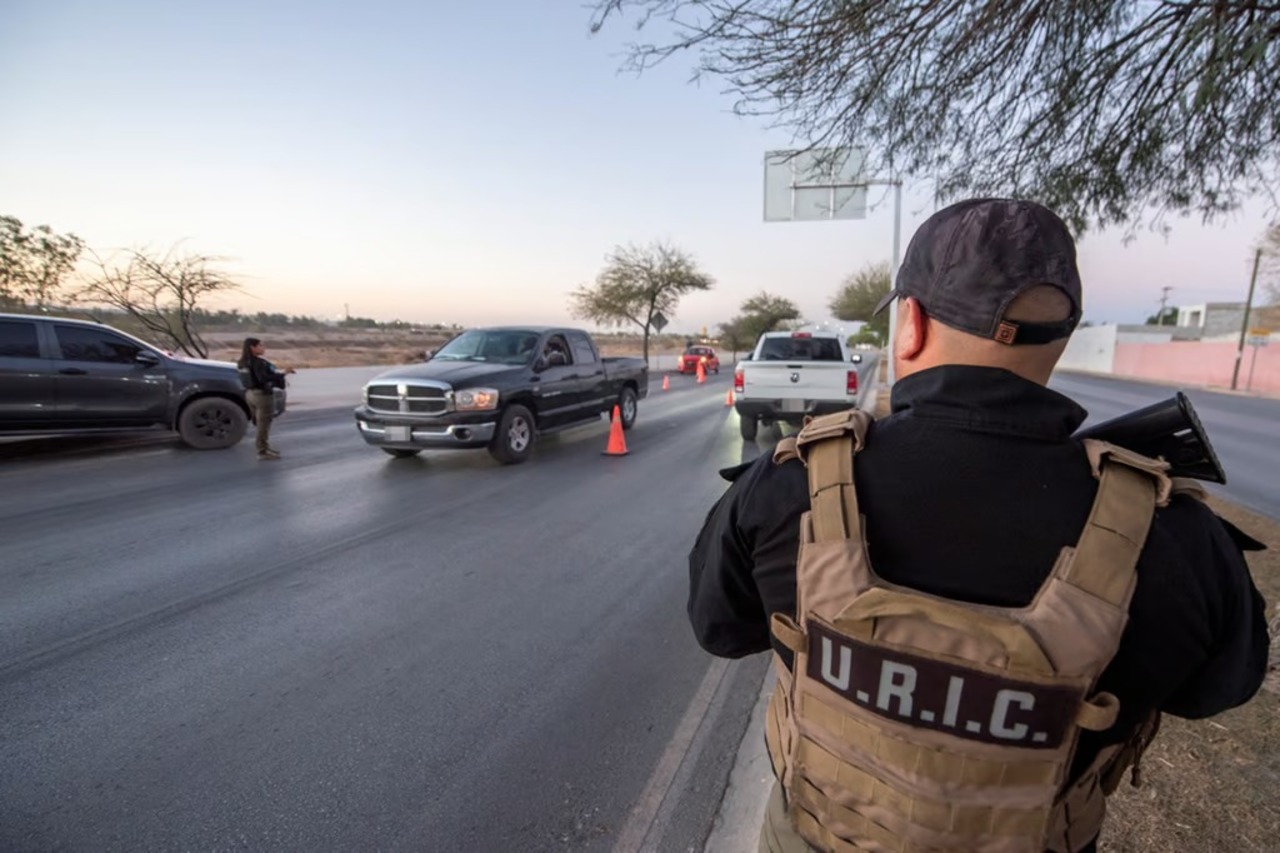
[976, 619]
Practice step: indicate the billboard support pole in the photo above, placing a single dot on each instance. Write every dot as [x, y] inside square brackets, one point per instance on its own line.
[890, 375]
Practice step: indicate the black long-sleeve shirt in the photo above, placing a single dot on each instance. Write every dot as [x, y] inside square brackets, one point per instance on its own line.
[970, 488]
[259, 375]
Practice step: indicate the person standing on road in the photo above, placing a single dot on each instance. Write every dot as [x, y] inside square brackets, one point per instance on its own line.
[260, 378]
[1036, 602]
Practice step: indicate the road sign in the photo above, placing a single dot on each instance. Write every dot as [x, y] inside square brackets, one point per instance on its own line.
[1258, 337]
[828, 183]
[658, 321]
[825, 183]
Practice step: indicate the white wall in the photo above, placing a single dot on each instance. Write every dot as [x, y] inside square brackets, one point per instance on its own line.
[1092, 348]
[1185, 312]
[1126, 337]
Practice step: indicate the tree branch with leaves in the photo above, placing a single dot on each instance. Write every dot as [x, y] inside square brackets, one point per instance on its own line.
[858, 297]
[637, 283]
[164, 294]
[761, 313]
[1269, 263]
[34, 263]
[1106, 112]
[735, 335]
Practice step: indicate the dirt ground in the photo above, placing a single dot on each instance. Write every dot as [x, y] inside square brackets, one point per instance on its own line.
[1209, 786]
[315, 348]
[1214, 785]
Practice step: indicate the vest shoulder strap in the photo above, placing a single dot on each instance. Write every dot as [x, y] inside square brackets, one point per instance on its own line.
[827, 446]
[1130, 488]
[785, 450]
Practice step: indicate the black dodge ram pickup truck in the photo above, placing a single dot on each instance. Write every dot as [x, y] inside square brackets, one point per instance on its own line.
[59, 375]
[499, 388]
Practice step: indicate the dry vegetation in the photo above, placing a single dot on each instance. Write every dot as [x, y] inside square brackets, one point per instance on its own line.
[314, 348]
[1214, 785]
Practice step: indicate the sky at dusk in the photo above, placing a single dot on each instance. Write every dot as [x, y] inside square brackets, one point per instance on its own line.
[465, 163]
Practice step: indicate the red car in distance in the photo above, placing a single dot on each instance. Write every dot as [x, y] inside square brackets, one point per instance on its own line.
[688, 361]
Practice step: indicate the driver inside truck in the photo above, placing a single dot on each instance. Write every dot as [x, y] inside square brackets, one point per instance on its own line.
[554, 353]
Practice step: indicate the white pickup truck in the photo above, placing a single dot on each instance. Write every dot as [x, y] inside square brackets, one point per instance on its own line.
[790, 375]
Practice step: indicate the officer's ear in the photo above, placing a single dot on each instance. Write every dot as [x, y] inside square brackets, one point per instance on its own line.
[912, 329]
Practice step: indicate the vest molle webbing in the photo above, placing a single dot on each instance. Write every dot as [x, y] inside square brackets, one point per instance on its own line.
[915, 723]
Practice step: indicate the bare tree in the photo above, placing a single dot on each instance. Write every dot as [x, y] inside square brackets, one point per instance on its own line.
[34, 263]
[1103, 111]
[638, 283]
[163, 293]
[858, 297]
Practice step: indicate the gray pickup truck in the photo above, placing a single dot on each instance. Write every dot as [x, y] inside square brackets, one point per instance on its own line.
[59, 375]
[499, 388]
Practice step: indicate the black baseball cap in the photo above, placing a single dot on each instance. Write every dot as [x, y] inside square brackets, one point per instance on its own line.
[969, 261]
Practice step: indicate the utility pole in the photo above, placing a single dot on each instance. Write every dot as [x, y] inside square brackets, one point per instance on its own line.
[1244, 327]
[1164, 297]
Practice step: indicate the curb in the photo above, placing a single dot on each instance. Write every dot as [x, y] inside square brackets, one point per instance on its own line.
[737, 823]
[736, 827]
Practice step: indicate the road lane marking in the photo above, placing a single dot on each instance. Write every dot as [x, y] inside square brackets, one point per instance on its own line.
[636, 830]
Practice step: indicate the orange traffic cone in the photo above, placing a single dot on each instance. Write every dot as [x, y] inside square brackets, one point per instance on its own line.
[728, 398]
[617, 444]
[666, 383]
[702, 374]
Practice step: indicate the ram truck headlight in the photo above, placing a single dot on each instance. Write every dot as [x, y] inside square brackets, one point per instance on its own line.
[475, 399]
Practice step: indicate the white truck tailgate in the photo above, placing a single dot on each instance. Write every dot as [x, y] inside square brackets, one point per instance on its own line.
[798, 381]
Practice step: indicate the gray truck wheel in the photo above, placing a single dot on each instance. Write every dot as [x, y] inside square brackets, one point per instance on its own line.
[748, 426]
[513, 442]
[627, 407]
[400, 452]
[212, 423]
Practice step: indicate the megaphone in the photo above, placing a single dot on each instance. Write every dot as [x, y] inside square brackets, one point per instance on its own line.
[1169, 430]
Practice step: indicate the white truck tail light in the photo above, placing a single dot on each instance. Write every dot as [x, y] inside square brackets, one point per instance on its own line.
[739, 384]
[851, 382]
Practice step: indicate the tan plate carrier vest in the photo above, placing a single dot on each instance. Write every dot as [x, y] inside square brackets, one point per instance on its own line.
[916, 723]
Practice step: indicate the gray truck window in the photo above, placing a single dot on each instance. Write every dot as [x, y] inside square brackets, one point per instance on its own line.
[800, 349]
[83, 344]
[506, 346]
[18, 340]
[583, 353]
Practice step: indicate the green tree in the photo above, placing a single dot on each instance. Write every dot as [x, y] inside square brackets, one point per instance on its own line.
[765, 312]
[638, 283]
[1105, 111]
[1167, 317]
[866, 336]
[1269, 263]
[163, 294]
[859, 295]
[34, 263]
[761, 313]
[735, 336]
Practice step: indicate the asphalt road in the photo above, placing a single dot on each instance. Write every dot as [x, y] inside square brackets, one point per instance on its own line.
[345, 651]
[1242, 429]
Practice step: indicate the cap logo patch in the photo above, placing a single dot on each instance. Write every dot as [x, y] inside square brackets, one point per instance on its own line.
[1006, 333]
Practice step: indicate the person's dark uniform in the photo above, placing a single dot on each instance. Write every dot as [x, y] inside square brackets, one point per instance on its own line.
[975, 472]
[260, 379]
